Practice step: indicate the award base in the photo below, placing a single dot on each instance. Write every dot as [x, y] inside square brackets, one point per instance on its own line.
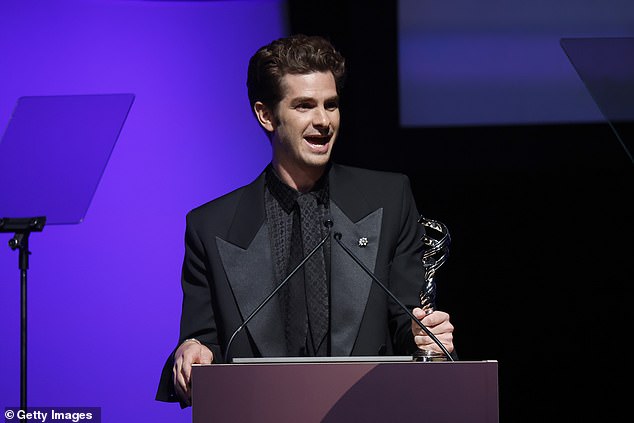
[425, 356]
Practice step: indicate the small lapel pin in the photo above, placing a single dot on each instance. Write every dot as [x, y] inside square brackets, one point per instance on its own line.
[363, 242]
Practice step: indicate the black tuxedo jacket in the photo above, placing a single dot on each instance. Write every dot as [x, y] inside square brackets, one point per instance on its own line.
[228, 271]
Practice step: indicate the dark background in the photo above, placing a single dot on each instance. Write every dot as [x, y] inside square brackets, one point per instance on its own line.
[541, 225]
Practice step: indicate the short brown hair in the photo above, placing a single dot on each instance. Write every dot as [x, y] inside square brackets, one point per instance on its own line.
[297, 54]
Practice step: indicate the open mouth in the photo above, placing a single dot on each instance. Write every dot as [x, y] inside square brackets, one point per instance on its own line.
[317, 140]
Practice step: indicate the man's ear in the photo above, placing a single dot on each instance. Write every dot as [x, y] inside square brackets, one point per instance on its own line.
[265, 116]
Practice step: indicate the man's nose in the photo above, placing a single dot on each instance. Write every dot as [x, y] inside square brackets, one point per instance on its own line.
[321, 118]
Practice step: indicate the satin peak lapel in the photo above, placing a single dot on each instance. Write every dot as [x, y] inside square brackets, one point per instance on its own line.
[349, 284]
[249, 272]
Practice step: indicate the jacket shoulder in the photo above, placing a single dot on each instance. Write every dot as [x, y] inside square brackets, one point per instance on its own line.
[376, 179]
[221, 210]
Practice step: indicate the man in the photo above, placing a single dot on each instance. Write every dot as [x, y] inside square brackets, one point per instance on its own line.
[240, 246]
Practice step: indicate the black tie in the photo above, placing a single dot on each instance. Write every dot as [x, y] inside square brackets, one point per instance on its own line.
[316, 285]
[295, 294]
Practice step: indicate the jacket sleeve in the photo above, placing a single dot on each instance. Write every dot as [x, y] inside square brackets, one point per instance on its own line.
[197, 317]
[406, 270]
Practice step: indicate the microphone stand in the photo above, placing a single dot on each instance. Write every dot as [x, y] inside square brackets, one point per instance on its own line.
[391, 295]
[22, 228]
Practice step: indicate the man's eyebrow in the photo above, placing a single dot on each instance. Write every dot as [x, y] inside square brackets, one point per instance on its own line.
[302, 100]
[312, 99]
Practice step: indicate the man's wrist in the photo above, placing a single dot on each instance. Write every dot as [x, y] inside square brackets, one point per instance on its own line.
[192, 340]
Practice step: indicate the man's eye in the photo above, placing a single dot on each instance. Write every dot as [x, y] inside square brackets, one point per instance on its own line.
[332, 106]
[303, 106]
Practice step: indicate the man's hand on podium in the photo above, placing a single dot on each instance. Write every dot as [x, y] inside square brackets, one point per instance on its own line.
[438, 323]
[189, 352]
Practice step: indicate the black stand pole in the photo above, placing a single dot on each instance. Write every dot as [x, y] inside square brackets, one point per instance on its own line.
[22, 228]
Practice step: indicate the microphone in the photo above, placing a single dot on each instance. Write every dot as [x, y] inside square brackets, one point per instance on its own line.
[391, 295]
[328, 224]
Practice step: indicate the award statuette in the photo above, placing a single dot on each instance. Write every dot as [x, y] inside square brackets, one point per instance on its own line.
[435, 253]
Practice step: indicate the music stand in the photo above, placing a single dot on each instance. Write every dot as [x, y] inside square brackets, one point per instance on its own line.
[52, 156]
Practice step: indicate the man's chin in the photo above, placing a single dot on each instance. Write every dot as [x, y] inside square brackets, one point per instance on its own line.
[318, 162]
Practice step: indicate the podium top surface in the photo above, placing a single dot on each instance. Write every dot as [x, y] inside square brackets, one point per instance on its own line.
[364, 359]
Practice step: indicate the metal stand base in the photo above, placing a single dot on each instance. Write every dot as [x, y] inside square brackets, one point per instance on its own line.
[425, 356]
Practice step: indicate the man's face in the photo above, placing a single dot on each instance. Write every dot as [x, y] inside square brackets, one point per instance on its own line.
[306, 122]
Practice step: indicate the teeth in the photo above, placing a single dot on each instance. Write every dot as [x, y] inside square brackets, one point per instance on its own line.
[317, 140]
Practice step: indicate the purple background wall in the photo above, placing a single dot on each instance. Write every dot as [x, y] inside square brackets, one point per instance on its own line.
[104, 295]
